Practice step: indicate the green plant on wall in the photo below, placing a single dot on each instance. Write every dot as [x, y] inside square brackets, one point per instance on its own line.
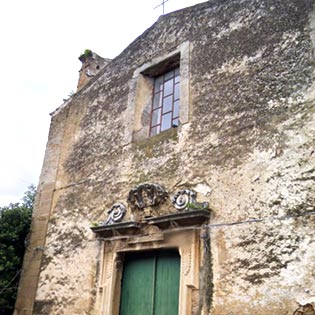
[194, 206]
[87, 53]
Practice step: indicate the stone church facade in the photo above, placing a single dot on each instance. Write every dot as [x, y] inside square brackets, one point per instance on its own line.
[179, 179]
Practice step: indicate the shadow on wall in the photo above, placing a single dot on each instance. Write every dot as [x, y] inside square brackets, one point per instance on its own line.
[306, 309]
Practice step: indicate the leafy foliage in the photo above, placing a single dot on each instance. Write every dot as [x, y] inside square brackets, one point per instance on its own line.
[15, 221]
[87, 53]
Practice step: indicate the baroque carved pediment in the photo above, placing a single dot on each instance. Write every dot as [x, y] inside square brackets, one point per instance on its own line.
[144, 202]
[146, 195]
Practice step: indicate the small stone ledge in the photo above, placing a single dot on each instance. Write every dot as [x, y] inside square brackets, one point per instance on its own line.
[181, 219]
[117, 229]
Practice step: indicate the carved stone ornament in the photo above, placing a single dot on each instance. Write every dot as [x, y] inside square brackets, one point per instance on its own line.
[115, 214]
[186, 200]
[146, 195]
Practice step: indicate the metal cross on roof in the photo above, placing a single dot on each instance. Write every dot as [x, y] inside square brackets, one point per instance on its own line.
[162, 4]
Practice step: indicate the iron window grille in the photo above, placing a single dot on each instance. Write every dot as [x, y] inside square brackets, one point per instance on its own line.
[165, 102]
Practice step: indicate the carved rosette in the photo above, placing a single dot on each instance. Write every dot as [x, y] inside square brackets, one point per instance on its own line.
[186, 200]
[115, 214]
[146, 195]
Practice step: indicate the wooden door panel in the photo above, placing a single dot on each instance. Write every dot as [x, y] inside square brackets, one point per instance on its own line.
[137, 285]
[150, 283]
[167, 283]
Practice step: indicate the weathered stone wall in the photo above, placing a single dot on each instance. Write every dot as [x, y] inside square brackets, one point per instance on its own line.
[247, 148]
[35, 245]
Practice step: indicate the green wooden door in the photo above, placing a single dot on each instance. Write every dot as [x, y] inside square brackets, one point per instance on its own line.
[150, 283]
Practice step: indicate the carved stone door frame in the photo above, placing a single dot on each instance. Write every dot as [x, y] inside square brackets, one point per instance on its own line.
[187, 241]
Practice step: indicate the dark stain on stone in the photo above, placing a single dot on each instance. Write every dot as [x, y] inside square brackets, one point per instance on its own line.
[43, 307]
[307, 309]
[265, 261]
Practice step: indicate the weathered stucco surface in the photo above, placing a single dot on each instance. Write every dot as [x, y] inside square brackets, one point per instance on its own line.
[248, 149]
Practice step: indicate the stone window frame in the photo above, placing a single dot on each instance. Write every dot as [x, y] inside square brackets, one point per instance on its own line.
[186, 241]
[140, 95]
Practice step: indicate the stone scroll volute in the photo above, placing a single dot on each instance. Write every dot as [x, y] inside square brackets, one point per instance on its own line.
[185, 200]
[115, 214]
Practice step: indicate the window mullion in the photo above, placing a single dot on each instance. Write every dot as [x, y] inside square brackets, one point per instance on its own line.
[162, 106]
[173, 82]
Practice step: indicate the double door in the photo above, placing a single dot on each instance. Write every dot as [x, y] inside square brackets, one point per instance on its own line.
[150, 283]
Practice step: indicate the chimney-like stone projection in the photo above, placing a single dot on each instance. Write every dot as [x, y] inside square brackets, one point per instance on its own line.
[91, 65]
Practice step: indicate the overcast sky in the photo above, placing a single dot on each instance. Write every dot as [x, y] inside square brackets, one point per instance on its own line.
[40, 43]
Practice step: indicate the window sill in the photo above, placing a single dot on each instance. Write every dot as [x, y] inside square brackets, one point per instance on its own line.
[164, 136]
